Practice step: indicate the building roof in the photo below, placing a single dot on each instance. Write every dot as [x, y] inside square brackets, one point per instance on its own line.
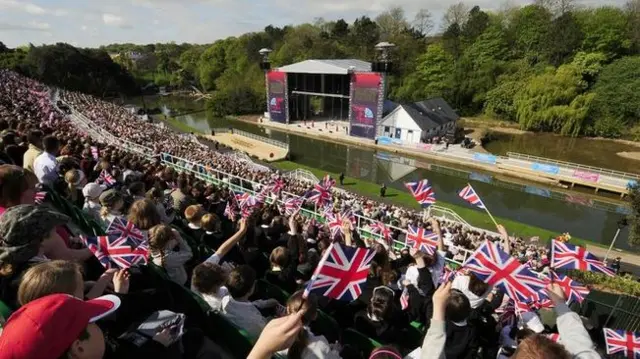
[431, 113]
[332, 67]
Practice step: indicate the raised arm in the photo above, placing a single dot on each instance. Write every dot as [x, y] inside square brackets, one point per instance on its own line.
[435, 225]
[229, 243]
[506, 243]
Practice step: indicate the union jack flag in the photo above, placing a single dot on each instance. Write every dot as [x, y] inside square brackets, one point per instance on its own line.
[277, 185]
[507, 315]
[117, 252]
[572, 289]
[422, 192]
[229, 212]
[540, 301]
[320, 196]
[335, 222]
[447, 275]
[554, 337]
[327, 182]
[383, 231]
[39, 197]
[95, 153]
[469, 195]
[404, 299]
[620, 341]
[246, 203]
[495, 267]
[123, 229]
[569, 256]
[106, 178]
[421, 239]
[341, 272]
[292, 205]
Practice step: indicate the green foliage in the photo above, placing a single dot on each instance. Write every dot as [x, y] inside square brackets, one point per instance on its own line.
[634, 217]
[549, 66]
[618, 284]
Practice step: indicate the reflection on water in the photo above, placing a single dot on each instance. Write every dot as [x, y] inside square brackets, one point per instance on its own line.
[598, 153]
[532, 204]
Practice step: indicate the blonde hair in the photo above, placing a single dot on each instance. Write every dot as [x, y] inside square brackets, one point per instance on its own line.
[159, 236]
[144, 214]
[48, 278]
[73, 179]
[210, 222]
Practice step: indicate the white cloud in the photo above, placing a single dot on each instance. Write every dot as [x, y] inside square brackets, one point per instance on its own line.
[39, 25]
[60, 12]
[114, 20]
[34, 9]
[84, 27]
[30, 8]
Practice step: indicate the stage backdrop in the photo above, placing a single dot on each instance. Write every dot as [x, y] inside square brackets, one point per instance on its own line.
[365, 93]
[277, 96]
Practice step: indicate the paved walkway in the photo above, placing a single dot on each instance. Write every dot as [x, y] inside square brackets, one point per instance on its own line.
[261, 150]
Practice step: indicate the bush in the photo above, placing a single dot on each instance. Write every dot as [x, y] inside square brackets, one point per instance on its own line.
[619, 284]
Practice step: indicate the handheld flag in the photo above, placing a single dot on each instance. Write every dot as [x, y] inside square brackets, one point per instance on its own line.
[573, 290]
[383, 231]
[570, 256]
[341, 272]
[320, 196]
[123, 229]
[292, 205]
[95, 153]
[620, 341]
[39, 197]
[106, 178]
[404, 299]
[229, 212]
[470, 195]
[554, 337]
[422, 192]
[495, 267]
[117, 252]
[421, 239]
[327, 182]
[336, 221]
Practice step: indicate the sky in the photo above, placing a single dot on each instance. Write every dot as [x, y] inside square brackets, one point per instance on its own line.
[91, 23]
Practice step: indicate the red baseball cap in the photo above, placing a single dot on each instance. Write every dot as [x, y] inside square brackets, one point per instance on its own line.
[46, 327]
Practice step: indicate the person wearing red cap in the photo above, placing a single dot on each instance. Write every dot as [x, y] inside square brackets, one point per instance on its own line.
[63, 326]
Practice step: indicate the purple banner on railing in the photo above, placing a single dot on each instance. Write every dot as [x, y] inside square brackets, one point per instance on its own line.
[277, 82]
[586, 176]
[365, 89]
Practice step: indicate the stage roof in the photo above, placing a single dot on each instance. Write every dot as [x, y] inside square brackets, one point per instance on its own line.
[331, 67]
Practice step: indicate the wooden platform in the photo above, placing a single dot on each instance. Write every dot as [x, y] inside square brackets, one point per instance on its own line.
[252, 147]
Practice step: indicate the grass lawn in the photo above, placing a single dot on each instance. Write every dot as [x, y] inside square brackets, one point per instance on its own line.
[474, 217]
[180, 126]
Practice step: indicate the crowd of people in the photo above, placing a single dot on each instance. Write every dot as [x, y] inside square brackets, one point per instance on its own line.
[63, 300]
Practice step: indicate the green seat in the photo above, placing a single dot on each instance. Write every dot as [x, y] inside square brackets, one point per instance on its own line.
[359, 341]
[5, 311]
[266, 290]
[237, 341]
[327, 326]
[419, 326]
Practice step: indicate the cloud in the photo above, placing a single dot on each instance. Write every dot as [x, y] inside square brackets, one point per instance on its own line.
[114, 20]
[21, 27]
[39, 25]
[84, 27]
[34, 9]
[30, 8]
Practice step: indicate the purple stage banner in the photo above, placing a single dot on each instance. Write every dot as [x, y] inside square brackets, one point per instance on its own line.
[277, 82]
[586, 176]
[365, 92]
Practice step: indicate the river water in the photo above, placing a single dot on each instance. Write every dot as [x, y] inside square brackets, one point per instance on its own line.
[582, 215]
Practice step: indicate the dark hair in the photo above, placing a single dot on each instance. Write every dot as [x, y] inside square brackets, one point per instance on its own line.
[458, 307]
[137, 189]
[279, 256]
[35, 137]
[208, 277]
[14, 181]
[50, 144]
[310, 306]
[241, 281]
[381, 304]
[477, 286]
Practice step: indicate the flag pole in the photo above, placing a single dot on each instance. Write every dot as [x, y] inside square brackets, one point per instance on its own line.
[490, 216]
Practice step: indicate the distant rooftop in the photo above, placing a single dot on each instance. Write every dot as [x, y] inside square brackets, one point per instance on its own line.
[332, 67]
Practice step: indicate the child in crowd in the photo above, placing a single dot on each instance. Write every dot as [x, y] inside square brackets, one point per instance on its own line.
[283, 269]
[193, 214]
[212, 235]
[169, 251]
[461, 336]
[236, 306]
[307, 345]
[112, 204]
[92, 192]
[75, 181]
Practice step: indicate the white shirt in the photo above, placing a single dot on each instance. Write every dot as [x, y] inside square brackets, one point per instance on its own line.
[317, 348]
[45, 166]
[244, 315]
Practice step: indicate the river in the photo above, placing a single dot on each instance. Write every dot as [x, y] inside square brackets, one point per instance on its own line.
[582, 215]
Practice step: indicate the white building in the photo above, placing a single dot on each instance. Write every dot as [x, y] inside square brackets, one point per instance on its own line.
[419, 121]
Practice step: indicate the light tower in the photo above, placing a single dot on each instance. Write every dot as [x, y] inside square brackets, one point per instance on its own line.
[265, 65]
[383, 65]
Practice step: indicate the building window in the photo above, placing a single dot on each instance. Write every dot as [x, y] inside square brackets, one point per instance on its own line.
[410, 131]
[386, 128]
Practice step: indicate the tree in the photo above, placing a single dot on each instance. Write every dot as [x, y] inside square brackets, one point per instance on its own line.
[477, 22]
[564, 38]
[431, 78]
[531, 25]
[632, 8]
[212, 64]
[423, 22]
[391, 23]
[616, 105]
[451, 40]
[456, 14]
[634, 217]
[605, 30]
[364, 35]
[340, 30]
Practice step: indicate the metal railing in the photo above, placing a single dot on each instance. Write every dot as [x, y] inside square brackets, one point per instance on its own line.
[302, 175]
[253, 136]
[604, 171]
